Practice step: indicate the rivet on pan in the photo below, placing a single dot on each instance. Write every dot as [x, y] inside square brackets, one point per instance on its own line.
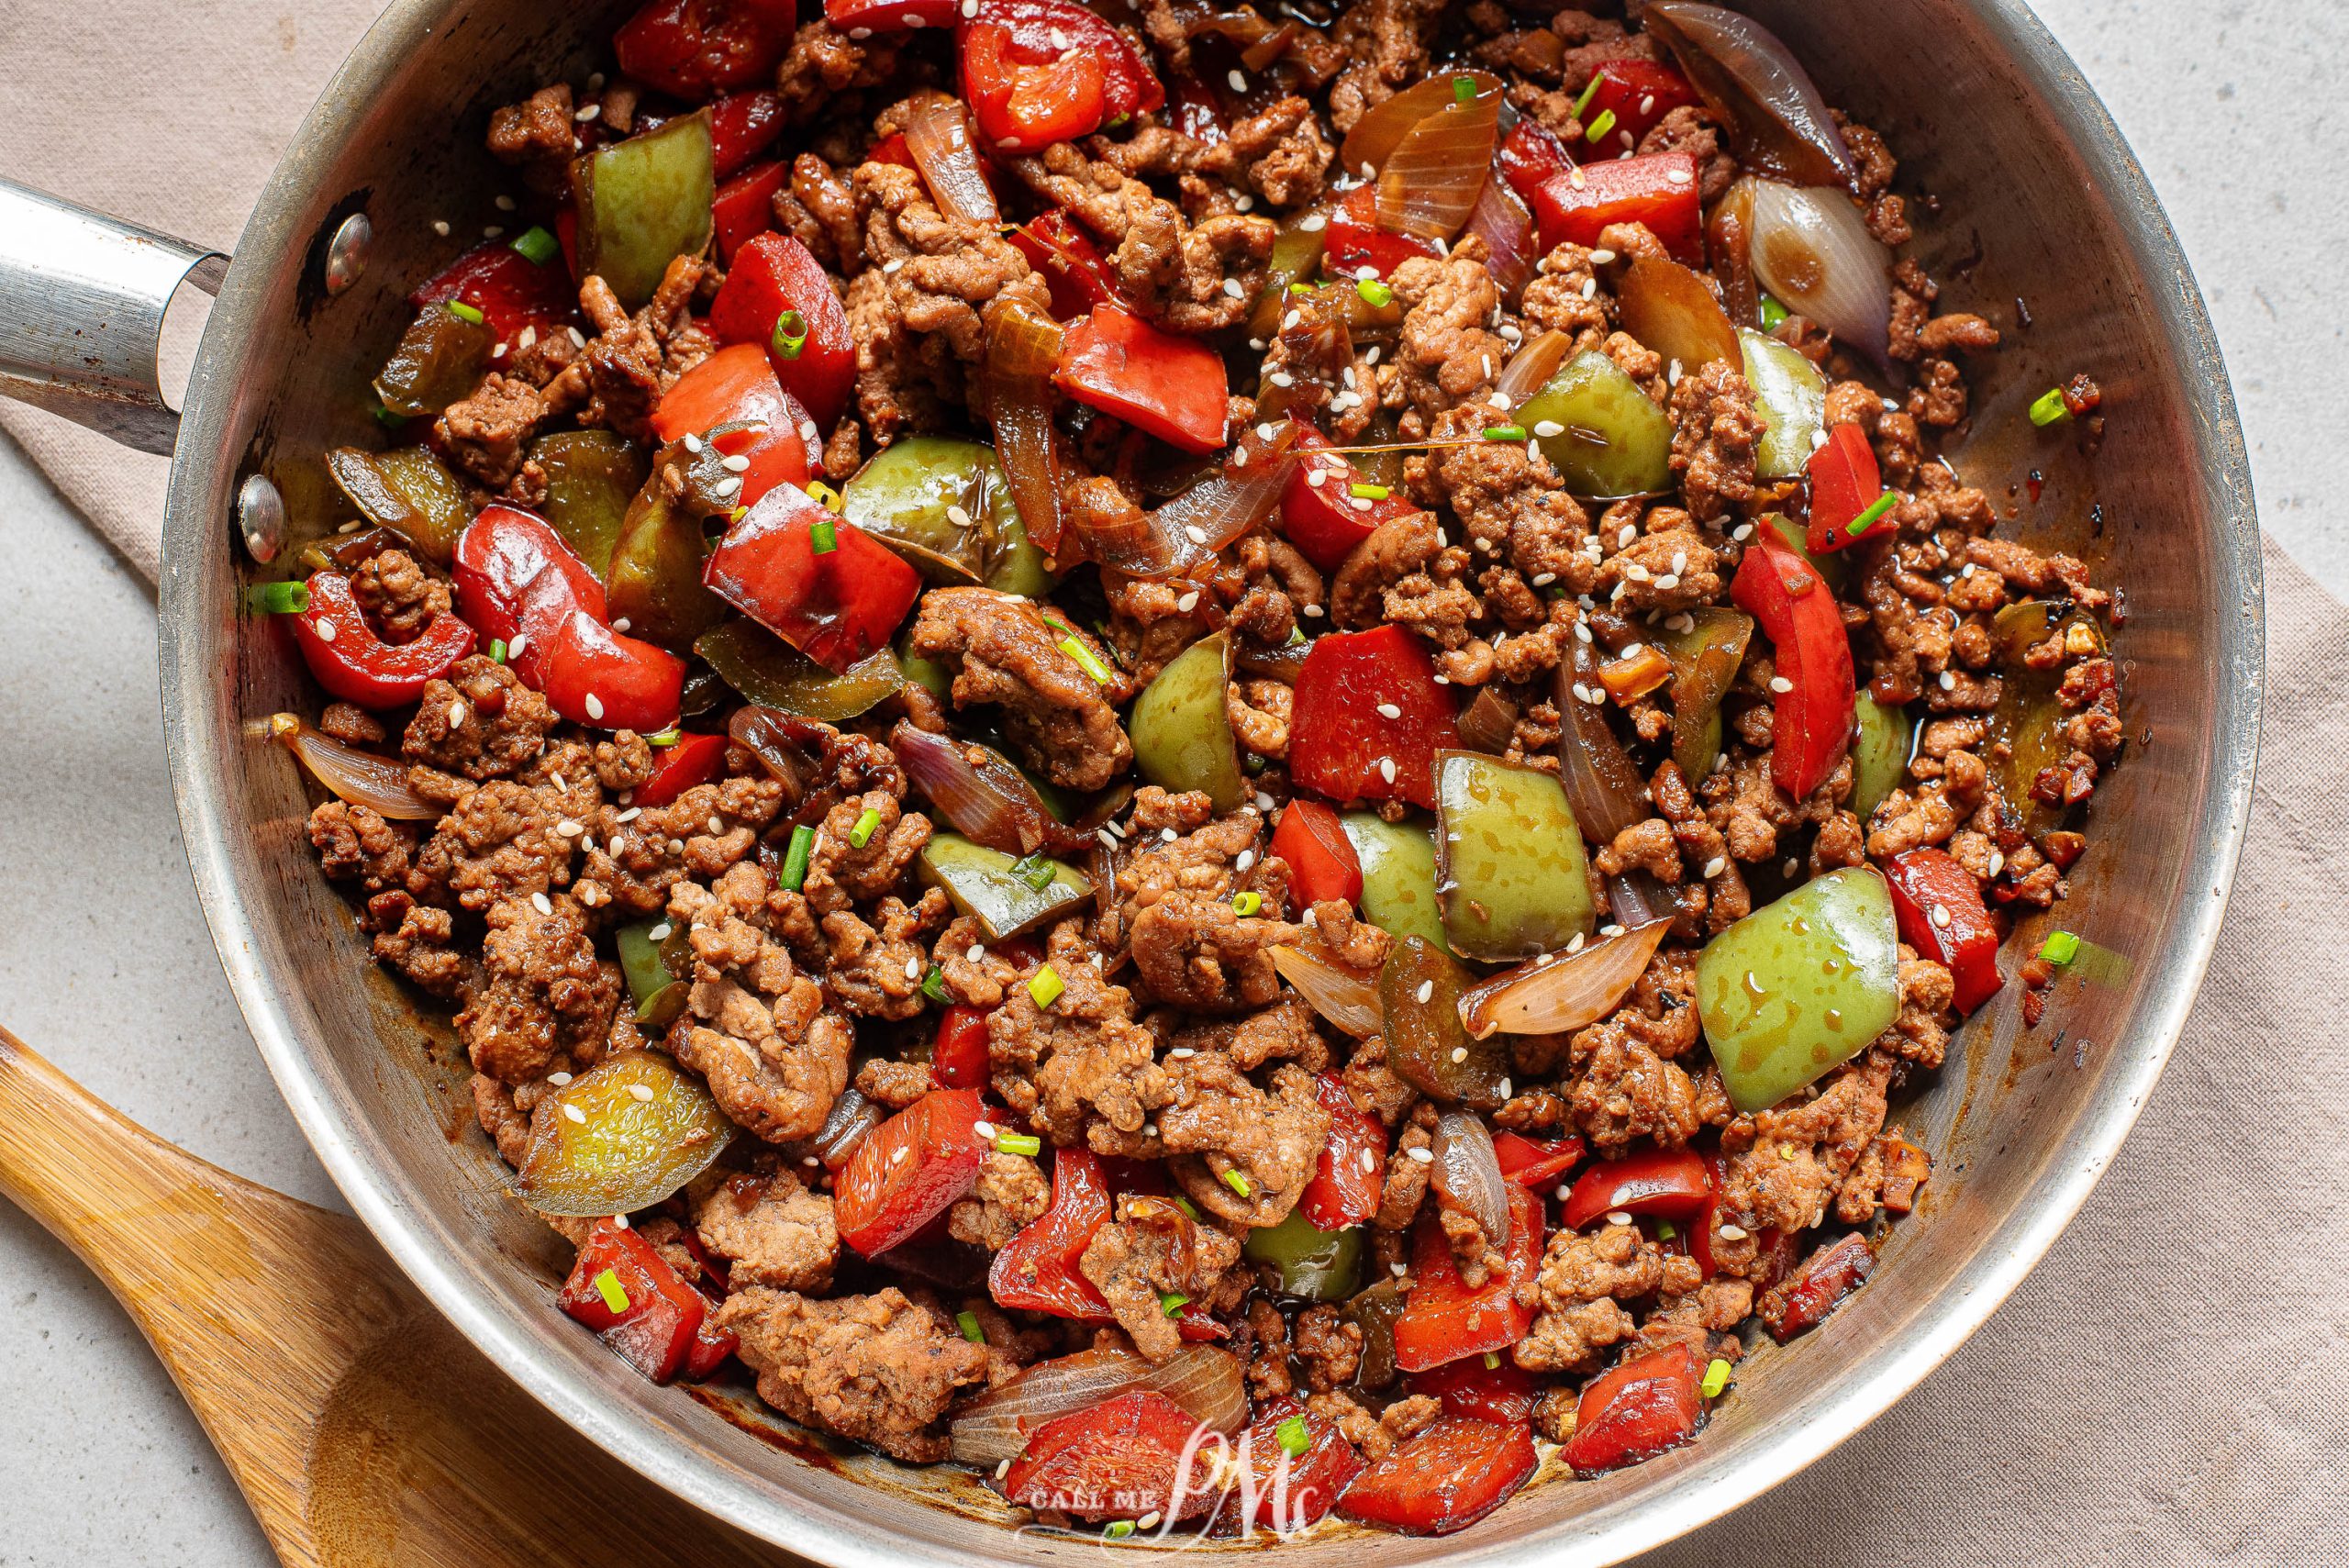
[347, 253]
[261, 518]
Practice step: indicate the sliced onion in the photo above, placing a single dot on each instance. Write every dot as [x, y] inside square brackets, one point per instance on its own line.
[1489, 723]
[989, 801]
[1726, 228]
[360, 777]
[1348, 1000]
[1430, 185]
[852, 1118]
[780, 741]
[1809, 247]
[1777, 122]
[1600, 783]
[939, 139]
[1636, 898]
[1188, 530]
[1204, 1380]
[1468, 1171]
[1500, 220]
[1529, 369]
[1023, 347]
[1376, 135]
[1564, 992]
[1668, 307]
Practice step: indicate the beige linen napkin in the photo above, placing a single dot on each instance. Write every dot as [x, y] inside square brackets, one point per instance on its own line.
[2167, 1387]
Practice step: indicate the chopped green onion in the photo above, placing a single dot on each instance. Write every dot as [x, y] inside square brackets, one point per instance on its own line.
[1123, 115]
[934, 986]
[1464, 89]
[497, 650]
[1035, 871]
[737, 515]
[1170, 1302]
[1087, 658]
[536, 245]
[1045, 986]
[1293, 1438]
[1492, 1361]
[1363, 491]
[668, 737]
[463, 312]
[385, 417]
[1716, 1378]
[1119, 1530]
[790, 335]
[1018, 1143]
[1185, 1204]
[1238, 1184]
[1665, 1230]
[1296, 637]
[1375, 293]
[2061, 947]
[1588, 92]
[608, 1285]
[1300, 288]
[862, 834]
[1247, 903]
[1601, 125]
[1504, 432]
[823, 537]
[2049, 408]
[969, 1323]
[1876, 509]
[279, 598]
[795, 859]
[1772, 314]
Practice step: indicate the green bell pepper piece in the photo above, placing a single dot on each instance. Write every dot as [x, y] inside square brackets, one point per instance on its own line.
[1314, 1264]
[642, 203]
[1398, 875]
[1800, 985]
[408, 491]
[1373, 1312]
[1180, 731]
[1427, 1045]
[982, 883]
[1790, 395]
[2029, 721]
[1705, 660]
[902, 498]
[659, 994]
[1615, 441]
[773, 674]
[592, 477]
[1511, 879]
[1879, 754]
[438, 362]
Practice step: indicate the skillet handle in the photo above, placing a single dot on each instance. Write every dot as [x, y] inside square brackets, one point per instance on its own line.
[81, 303]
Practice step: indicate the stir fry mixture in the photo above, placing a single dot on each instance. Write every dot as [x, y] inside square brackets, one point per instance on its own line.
[1215, 758]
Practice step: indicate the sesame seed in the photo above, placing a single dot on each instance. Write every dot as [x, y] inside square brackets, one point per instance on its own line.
[1312, 612]
[717, 827]
[984, 1132]
[1365, 274]
[1576, 946]
[1941, 917]
[640, 1094]
[1166, 835]
[1426, 990]
[588, 113]
[492, 232]
[660, 932]
[1282, 378]
[1818, 439]
[1601, 256]
[898, 1154]
[1102, 834]
[738, 463]
[693, 443]
[1948, 681]
[1314, 224]
[1386, 769]
[1742, 532]
[440, 228]
[1617, 1217]
[559, 1080]
[1397, 1270]
[1732, 1232]
[1610, 930]
[1188, 602]
[1670, 580]
[1423, 1156]
[1789, 865]
[595, 704]
[1998, 862]
[569, 829]
[1781, 686]
[1589, 287]
[1009, 144]
[893, 265]
[1264, 802]
[572, 1113]
[1676, 177]
[1197, 534]
[1714, 867]
[540, 902]
[1680, 561]
[1181, 1053]
[1245, 858]
[325, 630]
[1388, 710]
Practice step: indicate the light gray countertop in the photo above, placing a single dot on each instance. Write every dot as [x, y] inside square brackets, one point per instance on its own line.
[2234, 106]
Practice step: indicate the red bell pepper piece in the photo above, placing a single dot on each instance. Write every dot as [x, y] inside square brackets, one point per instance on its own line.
[959, 1058]
[835, 606]
[1637, 93]
[652, 1318]
[742, 125]
[737, 385]
[1658, 189]
[1444, 1319]
[1349, 1173]
[1074, 270]
[694, 48]
[1641, 1408]
[909, 1170]
[1140, 1453]
[1037, 71]
[1037, 1269]
[1287, 1491]
[710, 1348]
[354, 663]
[694, 760]
[1162, 385]
[890, 16]
[1812, 721]
[772, 273]
[891, 149]
[1535, 1163]
[1844, 482]
[518, 583]
[744, 207]
[1939, 907]
[1353, 239]
[1337, 736]
[1660, 1181]
[1505, 1392]
[1803, 1301]
[511, 290]
[1321, 860]
[1530, 155]
[1325, 520]
[1445, 1479]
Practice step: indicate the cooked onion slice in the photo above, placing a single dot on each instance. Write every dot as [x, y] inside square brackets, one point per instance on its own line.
[853, 1118]
[1188, 530]
[360, 777]
[939, 139]
[1809, 247]
[1348, 1000]
[1529, 369]
[1500, 220]
[1468, 1171]
[1562, 991]
[1377, 134]
[1777, 122]
[1430, 184]
[1203, 1379]
[1600, 783]
[1023, 345]
[989, 801]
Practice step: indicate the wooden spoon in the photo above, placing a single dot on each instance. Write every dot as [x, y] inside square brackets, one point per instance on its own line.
[364, 1430]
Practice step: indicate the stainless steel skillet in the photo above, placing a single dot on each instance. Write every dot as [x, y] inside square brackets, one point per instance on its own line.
[2040, 202]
